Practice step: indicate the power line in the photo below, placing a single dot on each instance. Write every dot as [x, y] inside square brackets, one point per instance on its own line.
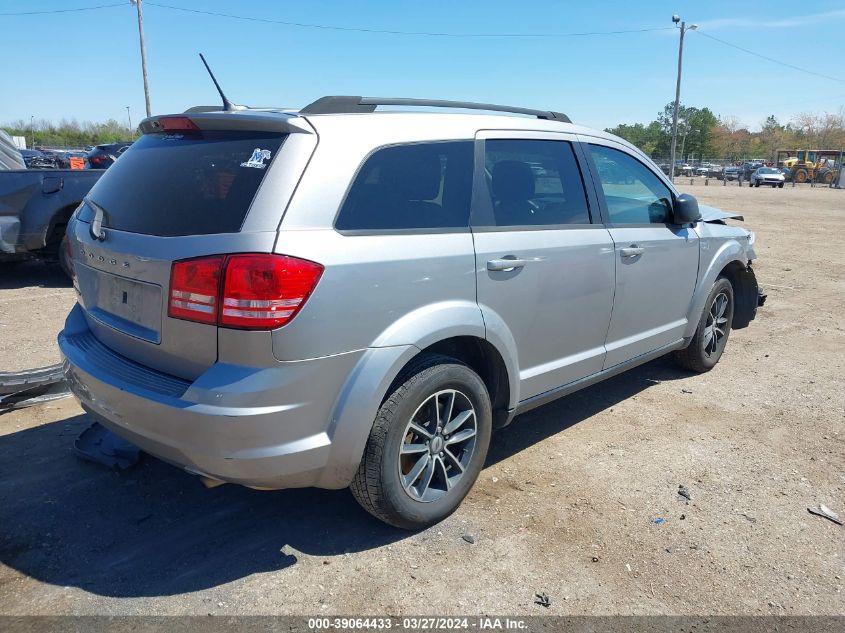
[49, 11]
[771, 59]
[396, 32]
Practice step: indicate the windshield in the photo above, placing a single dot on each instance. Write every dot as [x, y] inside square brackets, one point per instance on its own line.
[768, 170]
[184, 183]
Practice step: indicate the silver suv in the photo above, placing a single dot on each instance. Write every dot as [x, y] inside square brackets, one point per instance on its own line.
[340, 297]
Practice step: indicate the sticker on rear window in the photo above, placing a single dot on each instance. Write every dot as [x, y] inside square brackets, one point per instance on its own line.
[257, 159]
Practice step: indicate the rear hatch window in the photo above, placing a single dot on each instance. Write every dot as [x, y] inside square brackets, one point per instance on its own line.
[185, 183]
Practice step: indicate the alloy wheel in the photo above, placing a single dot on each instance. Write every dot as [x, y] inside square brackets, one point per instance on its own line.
[715, 329]
[438, 445]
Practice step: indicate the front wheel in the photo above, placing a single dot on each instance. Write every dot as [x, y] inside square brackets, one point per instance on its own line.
[427, 445]
[780, 185]
[711, 336]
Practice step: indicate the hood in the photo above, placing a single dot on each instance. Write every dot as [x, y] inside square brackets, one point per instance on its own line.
[712, 214]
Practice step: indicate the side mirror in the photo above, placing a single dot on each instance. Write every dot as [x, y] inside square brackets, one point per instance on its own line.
[685, 210]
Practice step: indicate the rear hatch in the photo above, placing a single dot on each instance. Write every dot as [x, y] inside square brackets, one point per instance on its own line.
[185, 189]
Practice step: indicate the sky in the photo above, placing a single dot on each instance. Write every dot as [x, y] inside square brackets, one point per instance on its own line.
[86, 64]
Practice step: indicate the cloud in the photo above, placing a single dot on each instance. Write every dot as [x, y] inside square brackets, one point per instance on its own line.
[779, 23]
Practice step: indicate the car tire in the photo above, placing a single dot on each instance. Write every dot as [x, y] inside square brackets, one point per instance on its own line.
[780, 185]
[706, 347]
[413, 475]
[64, 261]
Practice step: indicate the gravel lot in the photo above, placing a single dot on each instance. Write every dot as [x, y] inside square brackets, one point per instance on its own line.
[567, 504]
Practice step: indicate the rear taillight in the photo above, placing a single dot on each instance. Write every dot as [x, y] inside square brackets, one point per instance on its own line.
[257, 291]
[265, 291]
[194, 289]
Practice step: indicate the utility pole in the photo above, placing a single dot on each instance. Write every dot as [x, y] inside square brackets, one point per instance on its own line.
[129, 116]
[137, 4]
[32, 132]
[684, 29]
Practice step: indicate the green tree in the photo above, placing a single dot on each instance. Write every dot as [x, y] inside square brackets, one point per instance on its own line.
[70, 133]
[647, 137]
[695, 131]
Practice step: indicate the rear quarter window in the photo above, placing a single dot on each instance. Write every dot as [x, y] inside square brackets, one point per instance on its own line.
[415, 186]
[184, 183]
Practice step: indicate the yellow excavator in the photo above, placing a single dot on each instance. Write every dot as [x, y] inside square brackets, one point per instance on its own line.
[806, 165]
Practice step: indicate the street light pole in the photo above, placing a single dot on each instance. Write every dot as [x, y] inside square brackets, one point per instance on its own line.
[137, 4]
[32, 132]
[129, 116]
[684, 29]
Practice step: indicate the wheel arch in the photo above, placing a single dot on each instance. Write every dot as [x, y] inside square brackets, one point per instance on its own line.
[744, 284]
[730, 256]
[376, 375]
[52, 236]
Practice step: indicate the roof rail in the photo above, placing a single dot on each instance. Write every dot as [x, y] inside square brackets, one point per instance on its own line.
[349, 105]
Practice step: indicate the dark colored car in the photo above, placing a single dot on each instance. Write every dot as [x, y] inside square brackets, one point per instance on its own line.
[63, 158]
[103, 156]
[35, 208]
[750, 167]
[731, 172]
[35, 159]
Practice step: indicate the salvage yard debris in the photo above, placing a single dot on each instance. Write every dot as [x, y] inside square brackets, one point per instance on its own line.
[542, 599]
[99, 445]
[32, 386]
[827, 513]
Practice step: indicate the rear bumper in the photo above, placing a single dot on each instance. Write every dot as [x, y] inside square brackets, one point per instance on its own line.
[264, 427]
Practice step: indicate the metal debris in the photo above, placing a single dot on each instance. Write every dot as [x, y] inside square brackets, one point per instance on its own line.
[98, 444]
[542, 599]
[683, 492]
[32, 386]
[468, 538]
[825, 512]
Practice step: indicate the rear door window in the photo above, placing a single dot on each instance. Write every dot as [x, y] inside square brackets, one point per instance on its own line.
[534, 183]
[415, 186]
[184, 183]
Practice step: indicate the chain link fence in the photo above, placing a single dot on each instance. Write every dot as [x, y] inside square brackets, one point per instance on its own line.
[725, 172]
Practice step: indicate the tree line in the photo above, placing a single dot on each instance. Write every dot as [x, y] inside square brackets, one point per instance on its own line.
[70, 133]
[703, 135]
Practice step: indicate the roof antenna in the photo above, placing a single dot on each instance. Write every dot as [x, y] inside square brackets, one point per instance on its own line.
[228, 106]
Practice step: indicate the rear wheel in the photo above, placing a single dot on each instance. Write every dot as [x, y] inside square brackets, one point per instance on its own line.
[711, 336]
[780, 185]
[55, 249]
[64, 261]
[427, 445]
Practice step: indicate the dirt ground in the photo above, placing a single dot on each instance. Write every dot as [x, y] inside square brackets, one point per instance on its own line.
[570, 503]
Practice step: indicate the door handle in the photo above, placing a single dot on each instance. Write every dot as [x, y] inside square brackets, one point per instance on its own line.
[506, 263]
[632, 251]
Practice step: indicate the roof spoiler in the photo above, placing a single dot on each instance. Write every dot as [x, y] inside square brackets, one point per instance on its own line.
[352, 105]
[213, 118]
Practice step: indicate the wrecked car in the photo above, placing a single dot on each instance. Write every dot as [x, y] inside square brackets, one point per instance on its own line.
[344, 297]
